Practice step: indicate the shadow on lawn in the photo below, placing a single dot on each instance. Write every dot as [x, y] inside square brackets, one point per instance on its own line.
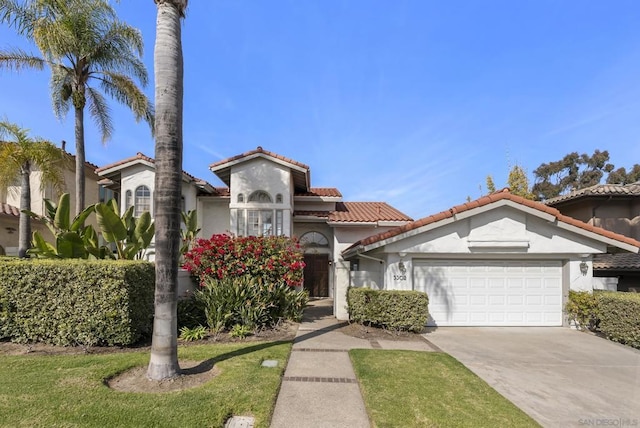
[207, 365]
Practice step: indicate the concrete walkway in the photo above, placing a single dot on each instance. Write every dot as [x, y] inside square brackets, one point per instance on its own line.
[319, 388]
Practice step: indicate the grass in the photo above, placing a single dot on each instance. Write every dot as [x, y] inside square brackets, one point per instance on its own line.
[428, 389]
[69, 390]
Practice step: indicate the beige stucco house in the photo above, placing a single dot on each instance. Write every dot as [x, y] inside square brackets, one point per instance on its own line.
[10, 201]
[500, 260]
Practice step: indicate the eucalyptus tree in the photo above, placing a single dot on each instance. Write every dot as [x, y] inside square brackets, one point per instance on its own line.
[90, 53]
[19, 155]
[168, 68]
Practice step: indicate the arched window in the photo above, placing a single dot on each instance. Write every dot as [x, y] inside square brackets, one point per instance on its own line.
[279, 198]
[142, 201]
[314, 240]
[260, 196]
[128, 200]
[240, 198]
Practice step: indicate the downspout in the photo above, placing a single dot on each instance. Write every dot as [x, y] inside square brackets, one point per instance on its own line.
[384, 270]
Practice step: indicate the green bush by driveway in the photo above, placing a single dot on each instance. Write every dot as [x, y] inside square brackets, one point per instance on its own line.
[393, 309]
[620, 317]
[429, 389]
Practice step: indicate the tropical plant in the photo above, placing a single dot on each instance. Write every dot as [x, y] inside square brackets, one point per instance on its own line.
[191, 334]
[17, 159]
[248, 301]
[240, 331]
[276, 259]
[131, 235]
[73, 239]
[83, 43]
[163, 363]
[190, 231]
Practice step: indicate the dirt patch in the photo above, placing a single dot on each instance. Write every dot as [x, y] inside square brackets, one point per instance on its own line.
[193, 374]
[284, 332]
[374, 333]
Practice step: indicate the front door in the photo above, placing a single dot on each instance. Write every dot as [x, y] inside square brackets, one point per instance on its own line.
[316, 274]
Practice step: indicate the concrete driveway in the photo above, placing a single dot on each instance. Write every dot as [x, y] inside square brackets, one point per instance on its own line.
[560, 377]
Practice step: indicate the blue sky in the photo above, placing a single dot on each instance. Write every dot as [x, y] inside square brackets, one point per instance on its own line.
[409, 102]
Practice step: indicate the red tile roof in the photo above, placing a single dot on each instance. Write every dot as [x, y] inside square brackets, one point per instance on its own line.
[321, 191]
[486, 200]
[621, 261]
[9, 210]
[349, 212]
[632, 189]
[256, 151]
[358, 212]
[142, 156]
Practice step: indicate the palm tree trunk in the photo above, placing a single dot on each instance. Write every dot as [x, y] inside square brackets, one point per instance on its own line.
[168, 187]
[79, 160]
[24, 239]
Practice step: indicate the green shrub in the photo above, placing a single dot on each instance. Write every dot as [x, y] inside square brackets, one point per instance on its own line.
[249, 302]
[582, 309]
[191, 334]
[76, 302]
[240, 331]
[190, 313]
[620, 317]
[393, 309]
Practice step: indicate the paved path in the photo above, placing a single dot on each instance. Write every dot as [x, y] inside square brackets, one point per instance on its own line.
[319, 388]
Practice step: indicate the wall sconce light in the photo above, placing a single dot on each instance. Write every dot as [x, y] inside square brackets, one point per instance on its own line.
[330, 263]
[402, 267]
[10, 230]
[584, 268]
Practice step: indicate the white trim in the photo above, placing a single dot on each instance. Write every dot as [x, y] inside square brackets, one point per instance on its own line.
[229, 164]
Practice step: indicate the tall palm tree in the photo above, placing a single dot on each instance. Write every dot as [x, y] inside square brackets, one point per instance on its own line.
[18, 156]
[89, 52]
[168, 183]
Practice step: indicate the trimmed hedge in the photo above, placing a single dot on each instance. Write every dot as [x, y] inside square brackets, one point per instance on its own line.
[76, 302]
[393, 309]
[582, 309]
[620, 317]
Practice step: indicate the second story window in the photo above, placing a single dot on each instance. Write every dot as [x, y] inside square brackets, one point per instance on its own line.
[128, 200]
[260, 196]
[240, 198]
[142, 200]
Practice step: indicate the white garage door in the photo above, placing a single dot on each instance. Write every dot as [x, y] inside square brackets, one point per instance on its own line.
[491, 293]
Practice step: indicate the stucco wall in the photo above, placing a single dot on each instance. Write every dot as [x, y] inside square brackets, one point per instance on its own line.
[213, 216]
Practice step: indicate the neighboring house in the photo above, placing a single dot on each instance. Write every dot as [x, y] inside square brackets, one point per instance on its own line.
[9, 219]
[10, 198]
[499, 260]
[614, 207]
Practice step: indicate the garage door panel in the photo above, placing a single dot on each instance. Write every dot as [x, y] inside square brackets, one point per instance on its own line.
[481, 292]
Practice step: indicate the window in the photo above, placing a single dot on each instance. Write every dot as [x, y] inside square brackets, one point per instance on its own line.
[260, 222]
[260, 196]
[142, 201]
[240, 198]
[279, 198]
[128, 200]
[105, 195]
[314, 239]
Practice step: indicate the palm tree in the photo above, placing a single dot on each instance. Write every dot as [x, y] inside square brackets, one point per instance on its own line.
[17, 158]
[168, 183]
[83, 43]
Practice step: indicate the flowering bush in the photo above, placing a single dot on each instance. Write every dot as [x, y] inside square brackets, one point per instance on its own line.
[275, 259]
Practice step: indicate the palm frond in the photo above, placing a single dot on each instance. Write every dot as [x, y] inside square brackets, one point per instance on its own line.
[125, 91]
[100, 112]
[17, 59]
[18, 15]
[61, 88]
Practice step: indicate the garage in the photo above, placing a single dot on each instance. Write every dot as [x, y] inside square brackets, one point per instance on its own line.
[500, 260]
[491, 292]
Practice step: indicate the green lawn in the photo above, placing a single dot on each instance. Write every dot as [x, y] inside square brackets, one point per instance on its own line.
[428, 389]
[68, 390]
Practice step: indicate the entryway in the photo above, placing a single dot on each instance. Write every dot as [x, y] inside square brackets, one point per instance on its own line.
[316, 274]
